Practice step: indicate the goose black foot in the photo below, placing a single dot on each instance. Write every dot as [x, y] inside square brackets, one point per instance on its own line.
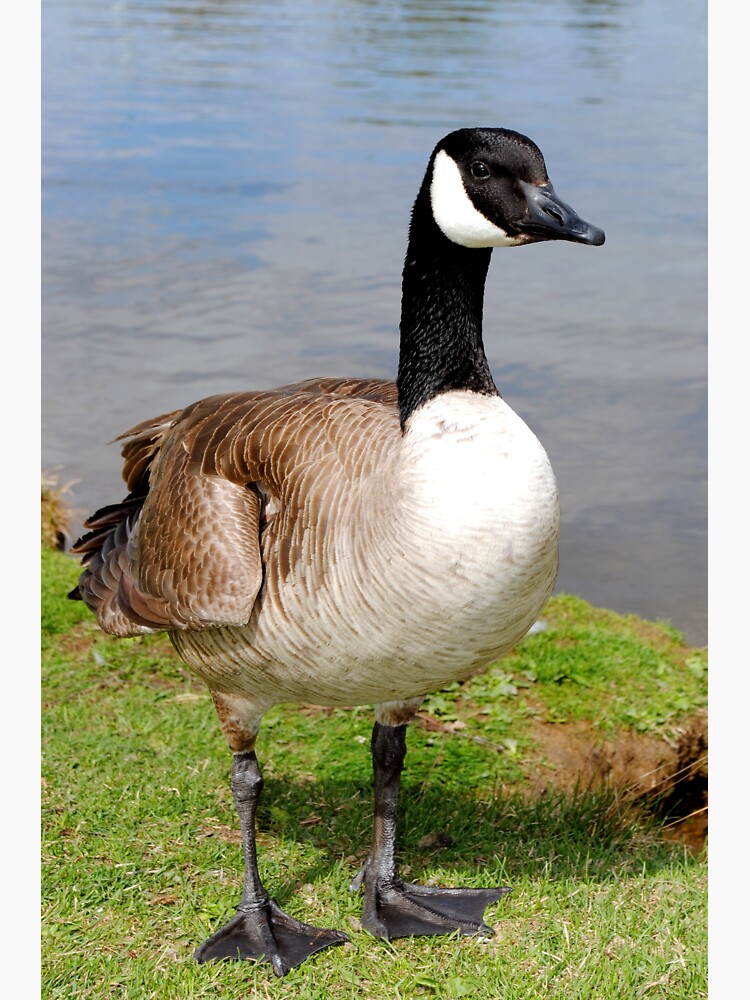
[398, 909]
[270, 935]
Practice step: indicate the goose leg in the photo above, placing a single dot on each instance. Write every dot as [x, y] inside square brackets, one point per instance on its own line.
[261, 930]
[394, 908]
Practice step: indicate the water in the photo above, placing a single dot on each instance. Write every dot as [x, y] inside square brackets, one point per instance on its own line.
[226, 192]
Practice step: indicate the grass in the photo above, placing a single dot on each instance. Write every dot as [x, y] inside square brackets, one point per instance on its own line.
[56, 511]
[140, 847]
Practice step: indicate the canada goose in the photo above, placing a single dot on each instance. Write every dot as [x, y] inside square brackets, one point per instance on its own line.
[352, 541]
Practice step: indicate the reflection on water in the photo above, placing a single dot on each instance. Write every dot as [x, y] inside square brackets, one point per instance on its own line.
[227, 189]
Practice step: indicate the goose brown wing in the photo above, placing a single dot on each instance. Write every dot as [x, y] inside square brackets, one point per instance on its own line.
[107, 549]
[275, 438]
[183, 550]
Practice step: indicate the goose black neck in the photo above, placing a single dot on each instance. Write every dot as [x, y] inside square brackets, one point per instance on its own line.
[441, 315]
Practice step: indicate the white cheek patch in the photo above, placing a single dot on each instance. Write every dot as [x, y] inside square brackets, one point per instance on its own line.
[456, 214]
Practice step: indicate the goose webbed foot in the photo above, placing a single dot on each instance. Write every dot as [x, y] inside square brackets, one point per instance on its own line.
[395, 908]
[261, 931]
[266, 933]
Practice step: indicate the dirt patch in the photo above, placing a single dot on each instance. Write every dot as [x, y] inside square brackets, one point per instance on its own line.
[668, 778]
[79, 640]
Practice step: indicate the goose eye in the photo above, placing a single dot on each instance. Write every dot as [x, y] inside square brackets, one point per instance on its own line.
[479, 170]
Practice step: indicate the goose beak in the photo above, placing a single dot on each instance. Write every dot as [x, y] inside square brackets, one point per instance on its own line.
[549, 218]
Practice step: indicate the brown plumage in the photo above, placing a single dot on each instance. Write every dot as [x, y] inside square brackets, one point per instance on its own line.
[183, 550]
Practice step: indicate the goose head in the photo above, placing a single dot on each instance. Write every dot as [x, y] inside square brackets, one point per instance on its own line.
[488, 187]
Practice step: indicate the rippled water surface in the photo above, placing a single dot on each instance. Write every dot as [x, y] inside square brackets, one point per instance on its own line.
[226, 193]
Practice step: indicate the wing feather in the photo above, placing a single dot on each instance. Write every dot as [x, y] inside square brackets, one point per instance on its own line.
[183, 550]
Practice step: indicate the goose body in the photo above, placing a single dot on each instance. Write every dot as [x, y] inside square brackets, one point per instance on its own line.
[411, 537]
[352, 541]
